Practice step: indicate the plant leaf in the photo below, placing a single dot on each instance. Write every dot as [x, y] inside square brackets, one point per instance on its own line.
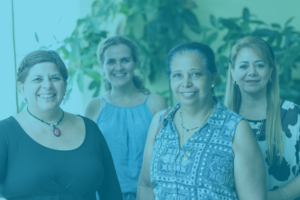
[80, 82]
[230, 24]
[213, 20]
[91, 73]
[275, 25]
[246, 14]
[288, 21]
[36, 37]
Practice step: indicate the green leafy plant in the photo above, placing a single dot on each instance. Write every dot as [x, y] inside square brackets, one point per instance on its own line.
[156, 26]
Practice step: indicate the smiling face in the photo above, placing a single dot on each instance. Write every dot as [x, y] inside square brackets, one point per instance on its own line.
[251, 72]
[44, 87]
[118, 65]
[190, 79]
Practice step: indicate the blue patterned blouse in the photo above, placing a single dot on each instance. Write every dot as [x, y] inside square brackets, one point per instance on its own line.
[208, 173]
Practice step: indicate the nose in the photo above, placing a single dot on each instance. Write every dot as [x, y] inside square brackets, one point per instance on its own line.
[119, 66]
[187, 82]
[252, 71]
[46, 83]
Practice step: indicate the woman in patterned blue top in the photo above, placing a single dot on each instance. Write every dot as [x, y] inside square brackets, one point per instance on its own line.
[203, 150]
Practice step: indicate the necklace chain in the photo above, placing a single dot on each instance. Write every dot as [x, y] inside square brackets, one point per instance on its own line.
[56, 131]
[186, 155]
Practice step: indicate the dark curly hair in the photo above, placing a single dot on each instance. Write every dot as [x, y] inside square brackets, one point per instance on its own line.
[40, 56]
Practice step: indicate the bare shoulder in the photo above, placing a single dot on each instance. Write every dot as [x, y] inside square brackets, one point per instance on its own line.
[243, 137]
[92, 108]
[157, 103]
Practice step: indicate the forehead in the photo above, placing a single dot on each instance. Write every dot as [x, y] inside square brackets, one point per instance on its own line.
[187, 61]
[117, 51]
[43, 68]
[248, 54]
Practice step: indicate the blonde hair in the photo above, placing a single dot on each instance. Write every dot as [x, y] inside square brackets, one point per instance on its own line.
[116, 40]
[274, 133]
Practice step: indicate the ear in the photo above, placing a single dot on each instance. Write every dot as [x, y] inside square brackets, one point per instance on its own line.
[66, 84]
[136, 64]
[21, 89]
[271, 72]
[213, 78]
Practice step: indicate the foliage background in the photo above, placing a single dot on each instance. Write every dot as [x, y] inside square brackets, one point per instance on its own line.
[156, 26]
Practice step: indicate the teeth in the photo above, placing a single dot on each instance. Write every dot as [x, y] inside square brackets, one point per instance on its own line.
[46, 96]
[119, 75]
[187, 94]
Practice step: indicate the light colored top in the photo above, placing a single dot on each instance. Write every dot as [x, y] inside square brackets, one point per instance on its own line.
[125, 130]
[278, 176]
[209, 171]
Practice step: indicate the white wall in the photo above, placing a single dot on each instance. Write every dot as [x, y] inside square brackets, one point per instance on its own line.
[7, 67]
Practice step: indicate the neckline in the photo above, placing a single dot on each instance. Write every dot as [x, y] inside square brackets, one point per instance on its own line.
[250, 120]
[113, 105]
[45, 147]
[125, 106]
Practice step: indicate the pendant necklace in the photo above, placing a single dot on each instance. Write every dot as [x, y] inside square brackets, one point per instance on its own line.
[56, 131]
[259, 130]
[188, 154]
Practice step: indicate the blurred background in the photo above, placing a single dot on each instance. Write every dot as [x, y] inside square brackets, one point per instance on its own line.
[75, 27]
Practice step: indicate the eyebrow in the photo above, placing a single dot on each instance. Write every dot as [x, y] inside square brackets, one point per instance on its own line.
[51, 75]
[254, 61]
[190, 69]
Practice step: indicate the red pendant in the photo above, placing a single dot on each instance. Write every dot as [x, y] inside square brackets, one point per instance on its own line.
[56, 132]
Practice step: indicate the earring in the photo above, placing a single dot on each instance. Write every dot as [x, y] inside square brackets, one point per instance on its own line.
[24, 101]
[212, 85]
[270, 80]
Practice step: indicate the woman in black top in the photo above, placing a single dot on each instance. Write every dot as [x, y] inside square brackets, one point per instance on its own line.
[46, 153]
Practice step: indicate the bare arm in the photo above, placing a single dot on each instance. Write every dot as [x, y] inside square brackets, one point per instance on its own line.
[145, 187]
[156, 103]
[292, 191]
[249, 169]
[92, 109]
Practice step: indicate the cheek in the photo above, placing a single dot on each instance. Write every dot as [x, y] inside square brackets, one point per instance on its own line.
[174, 85]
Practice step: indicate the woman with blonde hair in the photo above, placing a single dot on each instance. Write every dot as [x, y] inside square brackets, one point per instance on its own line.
[125, 111]
[253, 92]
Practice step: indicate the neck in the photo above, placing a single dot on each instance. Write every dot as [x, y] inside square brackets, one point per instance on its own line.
[127, 90]
[197, 112]
[257, 103]
[51, 116]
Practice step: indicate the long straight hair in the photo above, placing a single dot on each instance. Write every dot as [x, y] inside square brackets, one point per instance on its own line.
[233, 97]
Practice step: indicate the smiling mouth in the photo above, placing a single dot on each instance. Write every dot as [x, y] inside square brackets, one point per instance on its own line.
[119, 75]
[187, 94]
[252, 82]
[47, 96]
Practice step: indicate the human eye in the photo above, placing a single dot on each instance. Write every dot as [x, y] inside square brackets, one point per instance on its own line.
[37, 80]
[125, 60]
[55, 78]
[176, 75]
[196, 74]
[243, 66]
[260, 65]
[110, 62]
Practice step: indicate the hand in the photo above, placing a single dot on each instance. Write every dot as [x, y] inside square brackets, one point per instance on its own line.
[277, 194]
